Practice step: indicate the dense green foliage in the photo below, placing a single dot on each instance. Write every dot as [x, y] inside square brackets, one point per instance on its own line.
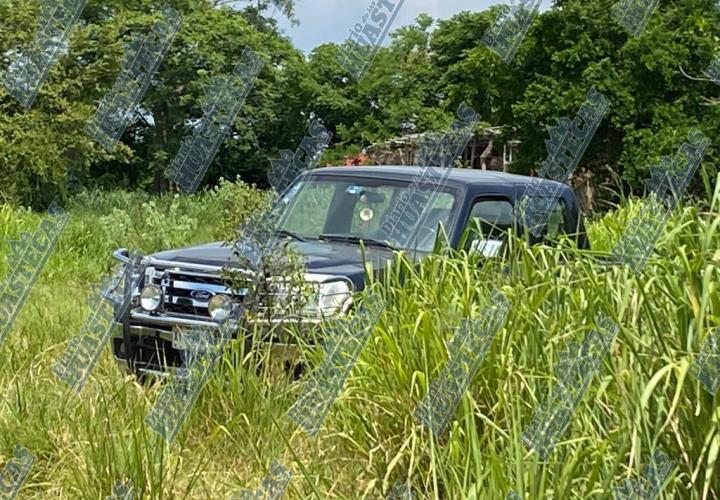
[104, 221]
[46, 151]
[655, 86]
[642, 398]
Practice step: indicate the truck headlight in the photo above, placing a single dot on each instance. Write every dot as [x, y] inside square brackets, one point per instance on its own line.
[220, 307]
[150, 298]
[331, 298]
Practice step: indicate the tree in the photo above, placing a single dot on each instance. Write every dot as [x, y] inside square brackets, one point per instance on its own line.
[652, 104]
[400, 93]
[46, 151]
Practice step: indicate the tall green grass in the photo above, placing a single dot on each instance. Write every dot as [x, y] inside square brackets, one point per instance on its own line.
[641, 398]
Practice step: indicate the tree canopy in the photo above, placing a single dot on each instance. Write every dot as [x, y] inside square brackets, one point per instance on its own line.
[655, 85]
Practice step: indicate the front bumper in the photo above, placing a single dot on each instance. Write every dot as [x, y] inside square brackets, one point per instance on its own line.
[153, 352]
[150, 335]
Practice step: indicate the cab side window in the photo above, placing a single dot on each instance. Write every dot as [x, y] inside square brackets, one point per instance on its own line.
[556, 220]
[554, 215]
[492, 217]
[488, 222]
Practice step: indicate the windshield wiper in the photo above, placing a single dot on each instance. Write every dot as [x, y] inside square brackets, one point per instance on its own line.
[356, 239]
[294, 236]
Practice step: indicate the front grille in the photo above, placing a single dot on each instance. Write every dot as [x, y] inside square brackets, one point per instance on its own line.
[187, 293]
[183, 294]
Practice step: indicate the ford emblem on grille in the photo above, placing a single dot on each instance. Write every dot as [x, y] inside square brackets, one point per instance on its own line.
[203, 295]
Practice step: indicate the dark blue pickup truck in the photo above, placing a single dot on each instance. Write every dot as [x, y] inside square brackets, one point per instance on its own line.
[332, 211]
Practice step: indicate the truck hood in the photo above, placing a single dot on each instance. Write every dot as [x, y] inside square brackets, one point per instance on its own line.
[322, 257]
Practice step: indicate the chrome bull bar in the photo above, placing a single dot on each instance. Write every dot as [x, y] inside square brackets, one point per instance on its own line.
[136, 321]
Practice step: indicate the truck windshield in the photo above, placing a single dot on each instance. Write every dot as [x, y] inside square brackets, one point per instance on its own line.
[381, 212]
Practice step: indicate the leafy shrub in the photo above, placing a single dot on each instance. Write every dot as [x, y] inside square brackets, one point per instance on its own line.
[104, 221]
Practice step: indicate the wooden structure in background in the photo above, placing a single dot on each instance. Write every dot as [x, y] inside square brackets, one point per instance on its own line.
[484, 151]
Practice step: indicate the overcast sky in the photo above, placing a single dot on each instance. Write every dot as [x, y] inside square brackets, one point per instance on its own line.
[330, 20]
